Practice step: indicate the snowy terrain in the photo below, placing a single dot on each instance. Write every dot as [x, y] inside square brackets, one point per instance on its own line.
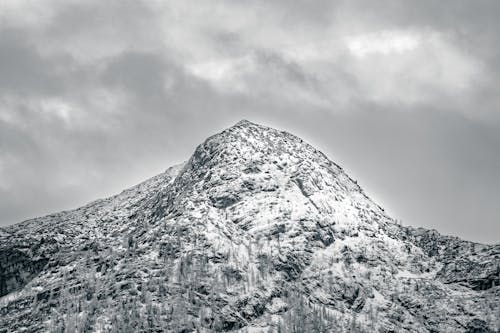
[257, 232]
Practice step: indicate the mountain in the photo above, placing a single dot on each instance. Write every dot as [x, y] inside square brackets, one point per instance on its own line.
[257, 232]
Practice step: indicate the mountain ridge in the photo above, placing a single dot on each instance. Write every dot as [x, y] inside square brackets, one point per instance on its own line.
[258, 231]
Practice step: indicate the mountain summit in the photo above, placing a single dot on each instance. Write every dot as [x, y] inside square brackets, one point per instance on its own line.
[257, 232]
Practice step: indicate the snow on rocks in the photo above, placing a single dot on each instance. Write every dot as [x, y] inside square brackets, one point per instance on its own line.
[256, 232]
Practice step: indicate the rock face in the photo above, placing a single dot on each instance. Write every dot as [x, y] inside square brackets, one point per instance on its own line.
[257, 232]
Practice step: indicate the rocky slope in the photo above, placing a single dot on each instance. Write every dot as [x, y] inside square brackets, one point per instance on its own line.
[257, 232]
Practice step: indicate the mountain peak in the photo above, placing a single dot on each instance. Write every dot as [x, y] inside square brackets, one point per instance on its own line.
[244, 122]
[245, 127]
[248, 142]
[249, 160]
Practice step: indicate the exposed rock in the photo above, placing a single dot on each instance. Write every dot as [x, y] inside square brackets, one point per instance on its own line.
[257, 231]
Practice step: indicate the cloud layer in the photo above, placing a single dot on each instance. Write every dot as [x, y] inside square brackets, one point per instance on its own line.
[96, 96]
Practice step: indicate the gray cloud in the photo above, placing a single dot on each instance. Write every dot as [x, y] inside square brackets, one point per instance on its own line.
[95, 97]
[24, 71]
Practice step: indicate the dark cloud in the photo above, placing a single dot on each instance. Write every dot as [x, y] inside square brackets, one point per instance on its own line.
[140, 73]
[24, 70]
[95, 97]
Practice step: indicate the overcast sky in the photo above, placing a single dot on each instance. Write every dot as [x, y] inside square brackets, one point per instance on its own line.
[96, 96]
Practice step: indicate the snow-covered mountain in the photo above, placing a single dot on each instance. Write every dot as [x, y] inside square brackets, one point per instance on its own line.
[257, 232]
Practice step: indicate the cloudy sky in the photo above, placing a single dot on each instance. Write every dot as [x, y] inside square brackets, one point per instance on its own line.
[96, 96]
